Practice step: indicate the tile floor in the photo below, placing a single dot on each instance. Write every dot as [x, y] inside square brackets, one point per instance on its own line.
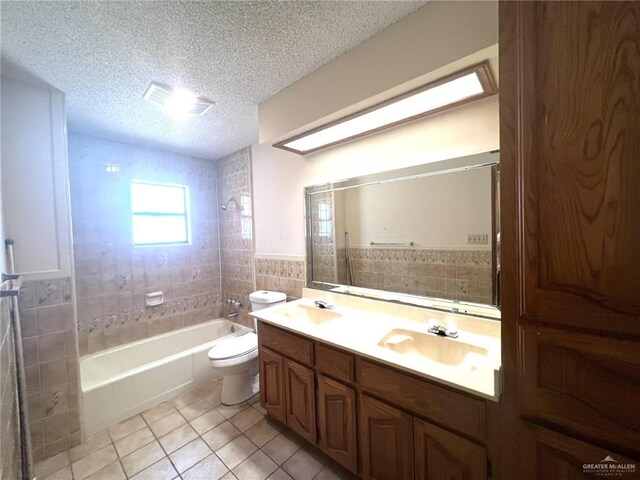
[193, 437]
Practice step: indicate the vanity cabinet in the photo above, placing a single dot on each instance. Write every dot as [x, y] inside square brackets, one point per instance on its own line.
[272, 391]
[300, 400]
[441, 455]
[372, 419]
[386, 436]
[337, 422]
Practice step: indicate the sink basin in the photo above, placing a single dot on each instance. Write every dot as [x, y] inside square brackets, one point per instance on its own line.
[434, 348]
[306, 313]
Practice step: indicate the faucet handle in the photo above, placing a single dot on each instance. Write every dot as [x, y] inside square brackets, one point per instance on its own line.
[318, 302]
[452, 327]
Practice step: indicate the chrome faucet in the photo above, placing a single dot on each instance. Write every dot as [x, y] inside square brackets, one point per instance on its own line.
[322, 304]
[451, 330]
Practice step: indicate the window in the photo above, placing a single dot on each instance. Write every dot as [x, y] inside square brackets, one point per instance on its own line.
[160, 213]
[325, 225]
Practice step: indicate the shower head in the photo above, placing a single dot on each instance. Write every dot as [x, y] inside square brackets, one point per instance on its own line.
[226, 205]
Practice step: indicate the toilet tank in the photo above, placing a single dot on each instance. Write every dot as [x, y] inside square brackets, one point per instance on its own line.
[265, 299]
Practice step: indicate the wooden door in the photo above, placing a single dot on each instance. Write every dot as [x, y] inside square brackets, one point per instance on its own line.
[570, 197]
[386, 441]
[558, 457]
[300, 400]
[337, 422]
[272, 391]
[442, 455]
[576, 137]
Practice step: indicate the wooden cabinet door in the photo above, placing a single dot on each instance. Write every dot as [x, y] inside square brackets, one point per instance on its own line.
[272, 391]
[386, 441]
[562, 458]
[300, 400]
[575, 140]
[337, 422]
[441, 455]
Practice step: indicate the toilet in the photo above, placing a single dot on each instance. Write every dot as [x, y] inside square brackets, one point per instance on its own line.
[236, 358]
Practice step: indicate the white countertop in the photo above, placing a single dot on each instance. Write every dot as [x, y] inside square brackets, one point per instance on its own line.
[363, 323]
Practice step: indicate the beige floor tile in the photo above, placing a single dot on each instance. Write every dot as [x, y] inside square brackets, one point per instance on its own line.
[206, 422]
[187, 456]
[134, 441]
[127, 427]
[211, 468]
[257, 467]
[229, 476]
[258, 407]
[178, 438]
[220, 436]
[94, 462]
[167, 424]
[281, 447]
[110, 472]
[186, 398]
[162, 470]
[280, 475]
[158, 412]
[52, 464]
[196, 409]
[229, 411]
[90, 445]
[142, 458]
[62, 474]
[262, 432]
[246, 419]
[253, 400]
[234, 452]
[303, 465]
[212, 392]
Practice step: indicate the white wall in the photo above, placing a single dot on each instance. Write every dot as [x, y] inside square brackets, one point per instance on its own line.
[279, 177]
[433, 41]
[435, 211]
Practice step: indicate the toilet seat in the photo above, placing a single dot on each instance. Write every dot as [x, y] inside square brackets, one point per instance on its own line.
[234, 347]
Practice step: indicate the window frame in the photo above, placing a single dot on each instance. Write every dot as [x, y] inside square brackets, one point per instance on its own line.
[186, 214]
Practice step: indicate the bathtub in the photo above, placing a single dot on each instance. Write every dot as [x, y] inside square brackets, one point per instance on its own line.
[128, 379]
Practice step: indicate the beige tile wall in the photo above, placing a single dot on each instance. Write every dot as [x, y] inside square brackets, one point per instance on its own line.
[280, 275]
[51, 365]
[9, 448]
[452, 274]
[236, 231]
[112, 276]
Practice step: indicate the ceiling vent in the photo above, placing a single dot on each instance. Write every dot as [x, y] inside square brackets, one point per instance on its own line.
[176, 100]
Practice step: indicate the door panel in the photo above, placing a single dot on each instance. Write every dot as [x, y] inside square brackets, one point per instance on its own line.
[581, 175]
[441, 455]
[301, 411]
[337, 422]
[272, 391]
[386, 441]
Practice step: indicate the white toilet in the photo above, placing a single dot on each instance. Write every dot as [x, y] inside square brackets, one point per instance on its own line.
[236, 358]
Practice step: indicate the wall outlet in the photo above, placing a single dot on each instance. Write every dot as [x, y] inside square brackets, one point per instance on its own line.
[477, 239]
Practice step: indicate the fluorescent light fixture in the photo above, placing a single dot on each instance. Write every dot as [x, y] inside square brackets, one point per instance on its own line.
[457, 89]
[177, 101]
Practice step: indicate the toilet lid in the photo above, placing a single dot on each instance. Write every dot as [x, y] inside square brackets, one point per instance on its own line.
[234, 347]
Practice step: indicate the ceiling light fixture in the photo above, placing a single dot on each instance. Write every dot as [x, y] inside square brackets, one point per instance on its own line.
[177, 101]
[468, 85]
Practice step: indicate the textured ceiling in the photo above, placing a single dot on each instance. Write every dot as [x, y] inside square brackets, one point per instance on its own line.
[104, 54]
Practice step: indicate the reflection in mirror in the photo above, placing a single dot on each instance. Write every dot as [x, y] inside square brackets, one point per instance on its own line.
[428, 231]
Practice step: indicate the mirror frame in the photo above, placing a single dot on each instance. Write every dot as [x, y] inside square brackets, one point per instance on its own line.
[440, 167]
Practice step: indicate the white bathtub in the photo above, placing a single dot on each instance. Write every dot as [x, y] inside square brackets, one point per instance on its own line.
[128, 379]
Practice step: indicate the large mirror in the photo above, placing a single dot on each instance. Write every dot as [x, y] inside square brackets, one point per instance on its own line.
[425, 235]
